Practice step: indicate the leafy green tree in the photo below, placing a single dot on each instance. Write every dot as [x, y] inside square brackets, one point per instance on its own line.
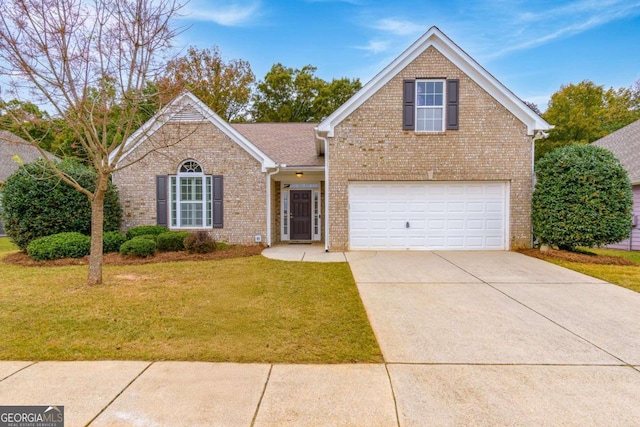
[37, 203]
[224, 86]
[582, 197]
[332, 95]
[298, 95]
[286, 94]
[585, 112]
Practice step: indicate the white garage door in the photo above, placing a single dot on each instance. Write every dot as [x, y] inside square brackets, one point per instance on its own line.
[428, 215]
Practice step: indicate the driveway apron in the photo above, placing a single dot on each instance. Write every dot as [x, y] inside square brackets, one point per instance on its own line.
[501, 338]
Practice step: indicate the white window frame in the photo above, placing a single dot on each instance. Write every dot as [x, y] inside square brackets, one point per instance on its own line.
[431, 107]
[194, 170]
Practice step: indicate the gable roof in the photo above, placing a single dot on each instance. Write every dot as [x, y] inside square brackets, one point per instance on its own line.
[625, 145]
[12, 145]
[291, 144]
[436, 38]
[187, 108]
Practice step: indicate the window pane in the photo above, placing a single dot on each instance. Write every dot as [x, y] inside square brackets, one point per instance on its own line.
[191, 188]
[208, 206]
[174, 209]
[437, 87]
[429, 120]
[191, 214]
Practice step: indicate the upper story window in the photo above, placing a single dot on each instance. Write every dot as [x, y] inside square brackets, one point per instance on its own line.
[430, 96]
[430, 105]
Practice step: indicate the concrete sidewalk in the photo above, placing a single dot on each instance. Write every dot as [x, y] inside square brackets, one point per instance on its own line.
[228, 394]
[203, 394]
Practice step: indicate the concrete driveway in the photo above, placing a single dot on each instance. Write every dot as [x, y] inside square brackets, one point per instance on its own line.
[498, 338]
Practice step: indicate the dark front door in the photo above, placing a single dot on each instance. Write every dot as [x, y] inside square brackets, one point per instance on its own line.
[300, 215]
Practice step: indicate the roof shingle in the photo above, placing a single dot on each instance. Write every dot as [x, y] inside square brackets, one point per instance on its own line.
[291, 144]
[625, 145]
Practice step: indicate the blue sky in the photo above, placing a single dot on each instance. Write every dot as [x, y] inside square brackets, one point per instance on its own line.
[533, 47]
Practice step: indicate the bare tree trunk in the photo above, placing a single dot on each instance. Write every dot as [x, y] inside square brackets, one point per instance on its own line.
[97, 220]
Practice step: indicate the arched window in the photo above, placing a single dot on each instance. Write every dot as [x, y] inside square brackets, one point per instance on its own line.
[190, 196]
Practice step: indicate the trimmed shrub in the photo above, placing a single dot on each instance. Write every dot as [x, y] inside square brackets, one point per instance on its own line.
[153, 237]
[112, 240]
[583, 197]
[172, 241]
[61, 245]
[141, 230]
[140, 246]
[36, 203]
[222, 246]
[199, 242]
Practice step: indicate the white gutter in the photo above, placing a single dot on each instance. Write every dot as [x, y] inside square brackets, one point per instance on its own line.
[326, 191]
[269, 175]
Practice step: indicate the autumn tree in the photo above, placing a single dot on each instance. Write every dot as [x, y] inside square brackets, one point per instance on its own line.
[585, 112]
[224, 86]
[86, 60]
[298, 95]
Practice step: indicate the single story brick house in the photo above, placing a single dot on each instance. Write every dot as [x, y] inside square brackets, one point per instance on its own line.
[625, 145]
[432, 153]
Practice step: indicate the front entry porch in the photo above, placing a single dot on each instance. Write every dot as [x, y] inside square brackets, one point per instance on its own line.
[297, 207]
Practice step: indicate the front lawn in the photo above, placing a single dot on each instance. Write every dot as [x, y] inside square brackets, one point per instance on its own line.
[248, 309]
[627, 276]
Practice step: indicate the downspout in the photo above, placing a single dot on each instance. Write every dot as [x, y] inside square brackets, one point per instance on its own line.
[326, 191]
[269, 175]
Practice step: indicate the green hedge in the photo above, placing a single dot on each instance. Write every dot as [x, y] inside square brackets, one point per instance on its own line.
[140, 246]
[112, 240]
[36, 203]
[582, 197]
[62, 245]
[142, 230]
[172, 241]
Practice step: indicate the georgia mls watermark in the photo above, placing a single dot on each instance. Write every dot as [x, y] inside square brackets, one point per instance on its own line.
[31, 416]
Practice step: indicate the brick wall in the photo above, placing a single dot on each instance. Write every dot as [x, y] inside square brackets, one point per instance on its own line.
[244, 183]
[491, 144]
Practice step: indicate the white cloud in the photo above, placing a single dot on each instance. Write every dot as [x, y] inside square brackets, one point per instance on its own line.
[229, 14]
[399, 27]
[375, 46]
[531, 29]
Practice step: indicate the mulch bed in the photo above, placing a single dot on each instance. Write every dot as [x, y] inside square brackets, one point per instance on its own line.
[20, 258]
[585, 258]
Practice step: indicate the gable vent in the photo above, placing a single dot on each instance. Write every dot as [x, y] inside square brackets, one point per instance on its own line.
[188, 114]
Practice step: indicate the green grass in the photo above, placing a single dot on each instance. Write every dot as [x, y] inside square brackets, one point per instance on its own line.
[622, 275]
[241, 310]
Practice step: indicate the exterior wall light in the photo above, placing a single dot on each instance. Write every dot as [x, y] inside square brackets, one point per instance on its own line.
[299, 174]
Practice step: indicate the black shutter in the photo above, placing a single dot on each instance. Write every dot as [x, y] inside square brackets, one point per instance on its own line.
[216, 197]
[161, 200]
[408, 104]
[453, 104]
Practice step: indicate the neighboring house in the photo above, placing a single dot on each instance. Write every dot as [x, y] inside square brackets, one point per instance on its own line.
[14, 151]
[625, 145]
[432, 153]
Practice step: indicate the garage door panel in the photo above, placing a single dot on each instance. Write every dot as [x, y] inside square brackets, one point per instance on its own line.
[440, 215]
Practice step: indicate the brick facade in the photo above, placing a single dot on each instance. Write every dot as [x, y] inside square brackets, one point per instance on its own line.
[245, 204]
[491, 144]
